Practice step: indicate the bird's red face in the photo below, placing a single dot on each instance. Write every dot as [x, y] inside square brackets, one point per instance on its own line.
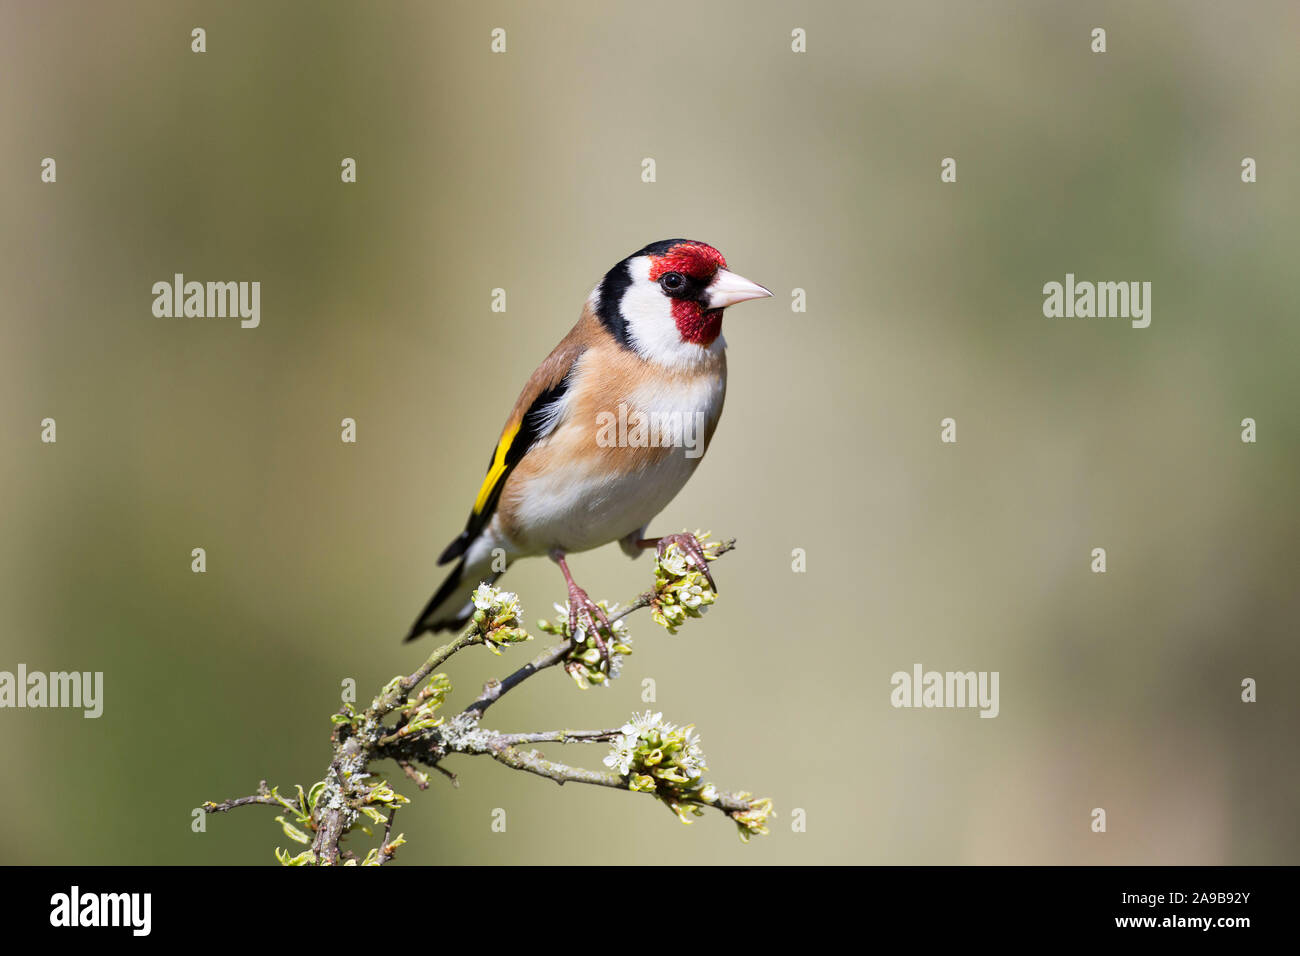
[686, 267]
[666, 301]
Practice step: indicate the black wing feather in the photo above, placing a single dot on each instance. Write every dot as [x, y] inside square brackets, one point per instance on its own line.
[530, 432]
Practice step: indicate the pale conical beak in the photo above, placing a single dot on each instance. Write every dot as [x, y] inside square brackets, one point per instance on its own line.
[727, 288]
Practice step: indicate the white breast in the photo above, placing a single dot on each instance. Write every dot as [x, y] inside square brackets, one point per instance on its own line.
[580, 502]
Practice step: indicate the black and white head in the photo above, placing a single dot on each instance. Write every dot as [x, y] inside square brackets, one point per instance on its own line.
[665, 301]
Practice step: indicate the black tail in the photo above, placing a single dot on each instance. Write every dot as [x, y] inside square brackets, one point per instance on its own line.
[459, 545]
[452, 606]
[445, 591]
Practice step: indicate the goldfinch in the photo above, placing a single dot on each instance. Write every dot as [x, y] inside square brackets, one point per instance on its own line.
[607, 430]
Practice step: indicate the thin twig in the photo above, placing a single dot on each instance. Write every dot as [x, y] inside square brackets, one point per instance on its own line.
[263, 795]
[414, 774]
[533, 762]
[402, 692]
[386, 849]
[493, 691]
[558, 737]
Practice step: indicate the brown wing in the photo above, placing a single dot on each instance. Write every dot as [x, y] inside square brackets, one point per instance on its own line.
[529, 422]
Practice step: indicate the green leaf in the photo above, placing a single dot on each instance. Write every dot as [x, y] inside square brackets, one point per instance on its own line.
[292, 832]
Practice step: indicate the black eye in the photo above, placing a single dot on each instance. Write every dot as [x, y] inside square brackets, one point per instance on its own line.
[671, 281]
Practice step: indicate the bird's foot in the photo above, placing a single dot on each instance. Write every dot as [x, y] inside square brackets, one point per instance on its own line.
[692, 549]
[591, 617]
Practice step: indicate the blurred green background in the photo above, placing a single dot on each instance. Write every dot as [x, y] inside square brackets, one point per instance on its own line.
[817, 171]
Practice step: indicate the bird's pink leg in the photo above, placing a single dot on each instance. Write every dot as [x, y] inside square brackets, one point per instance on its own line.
[581, 606]
[690, 546]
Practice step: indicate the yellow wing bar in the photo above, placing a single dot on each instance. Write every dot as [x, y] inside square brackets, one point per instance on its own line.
[497, 470]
